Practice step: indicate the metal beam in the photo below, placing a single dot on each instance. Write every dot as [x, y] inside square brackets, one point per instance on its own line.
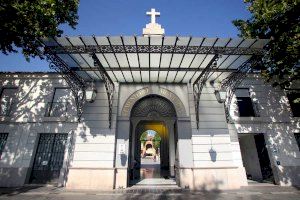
[115, 77]
[109, 85]
[138, 56]
[199, 84]
[172, 55]
[204, 58]
[193, 59]
[188, 44]
[114, 53]
[127, 58]
[153, 69]
[159, 66]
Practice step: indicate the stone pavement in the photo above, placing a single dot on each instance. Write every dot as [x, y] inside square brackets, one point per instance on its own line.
[267, 192]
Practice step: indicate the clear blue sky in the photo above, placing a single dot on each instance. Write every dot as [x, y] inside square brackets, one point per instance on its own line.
[206, 18]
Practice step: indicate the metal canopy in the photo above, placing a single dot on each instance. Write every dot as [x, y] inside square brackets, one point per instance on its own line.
[164, 59]
[152, 59]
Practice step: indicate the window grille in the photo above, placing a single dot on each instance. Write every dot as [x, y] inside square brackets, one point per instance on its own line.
[7, 100]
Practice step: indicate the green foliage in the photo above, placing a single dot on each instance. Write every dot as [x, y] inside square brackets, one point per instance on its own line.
[156, 139]
[143, 137]
[24, 22]
[279, 21]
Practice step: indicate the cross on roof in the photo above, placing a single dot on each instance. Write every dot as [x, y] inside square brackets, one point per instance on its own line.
[153, 14]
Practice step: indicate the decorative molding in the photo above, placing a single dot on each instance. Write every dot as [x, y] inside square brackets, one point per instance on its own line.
[128, 105]
[153, 107]
[154, 49]
[132, 99]
[175, 101]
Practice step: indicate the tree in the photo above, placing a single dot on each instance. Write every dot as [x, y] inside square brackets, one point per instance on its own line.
[279, 21]
[24, 22]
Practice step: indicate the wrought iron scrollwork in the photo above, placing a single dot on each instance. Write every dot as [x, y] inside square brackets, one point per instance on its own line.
[108, 83]
[153, 106]
[233, 80]
[76, 83]
[157, 49]
[199, 84]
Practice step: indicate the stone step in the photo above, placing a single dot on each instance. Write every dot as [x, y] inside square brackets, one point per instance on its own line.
[155, 181]
[154, 187]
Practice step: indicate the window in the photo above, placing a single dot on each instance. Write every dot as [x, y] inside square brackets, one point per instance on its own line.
[246, 107]
[295, 107]
[297, 137]
[7, 100]
[3, 138]
[58, 106]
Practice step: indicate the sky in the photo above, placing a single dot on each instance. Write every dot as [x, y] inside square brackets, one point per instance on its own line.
[202, 18]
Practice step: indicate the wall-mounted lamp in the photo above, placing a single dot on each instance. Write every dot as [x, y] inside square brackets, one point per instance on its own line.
[91, 93]
[220, 95]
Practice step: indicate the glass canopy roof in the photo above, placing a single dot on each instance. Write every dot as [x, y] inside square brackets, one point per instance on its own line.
[164, 59]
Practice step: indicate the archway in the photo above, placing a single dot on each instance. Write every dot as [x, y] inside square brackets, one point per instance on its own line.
[152, 116]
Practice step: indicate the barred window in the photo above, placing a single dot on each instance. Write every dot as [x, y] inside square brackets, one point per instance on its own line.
[7, 99]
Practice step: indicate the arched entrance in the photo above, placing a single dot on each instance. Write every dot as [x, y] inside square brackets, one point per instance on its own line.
[153, 139]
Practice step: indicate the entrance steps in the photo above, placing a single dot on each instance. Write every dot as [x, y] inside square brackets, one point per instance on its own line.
[155, 183]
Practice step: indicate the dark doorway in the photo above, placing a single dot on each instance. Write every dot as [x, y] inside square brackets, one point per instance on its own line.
[255, 157]
[264, 160]
[48, 158]
[152, 142]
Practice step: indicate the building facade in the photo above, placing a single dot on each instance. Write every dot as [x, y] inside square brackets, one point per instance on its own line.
[81, 127]
[43, 142]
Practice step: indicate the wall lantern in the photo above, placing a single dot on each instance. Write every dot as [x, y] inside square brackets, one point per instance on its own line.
[220, 95]
[90, 93]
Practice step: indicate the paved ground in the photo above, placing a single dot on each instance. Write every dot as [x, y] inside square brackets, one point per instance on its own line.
[253, 192]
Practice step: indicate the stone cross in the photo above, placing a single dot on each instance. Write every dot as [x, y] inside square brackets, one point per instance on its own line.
[153, 14]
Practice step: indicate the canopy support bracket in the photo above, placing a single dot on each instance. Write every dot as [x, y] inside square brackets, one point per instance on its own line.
[76, 83]
[199, 84]
[231, 82]
[108, 83]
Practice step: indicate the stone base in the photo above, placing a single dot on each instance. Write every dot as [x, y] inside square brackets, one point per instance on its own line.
[288, 175]
[13, 177]
[90, 178]
[121, 178]
[219, 178]
[186, 178]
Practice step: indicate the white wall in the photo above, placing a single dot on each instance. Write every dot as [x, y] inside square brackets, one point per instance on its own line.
[90, 143]
[212, 133]
[277, 124]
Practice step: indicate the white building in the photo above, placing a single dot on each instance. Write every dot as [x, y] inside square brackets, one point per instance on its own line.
[50, 133]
